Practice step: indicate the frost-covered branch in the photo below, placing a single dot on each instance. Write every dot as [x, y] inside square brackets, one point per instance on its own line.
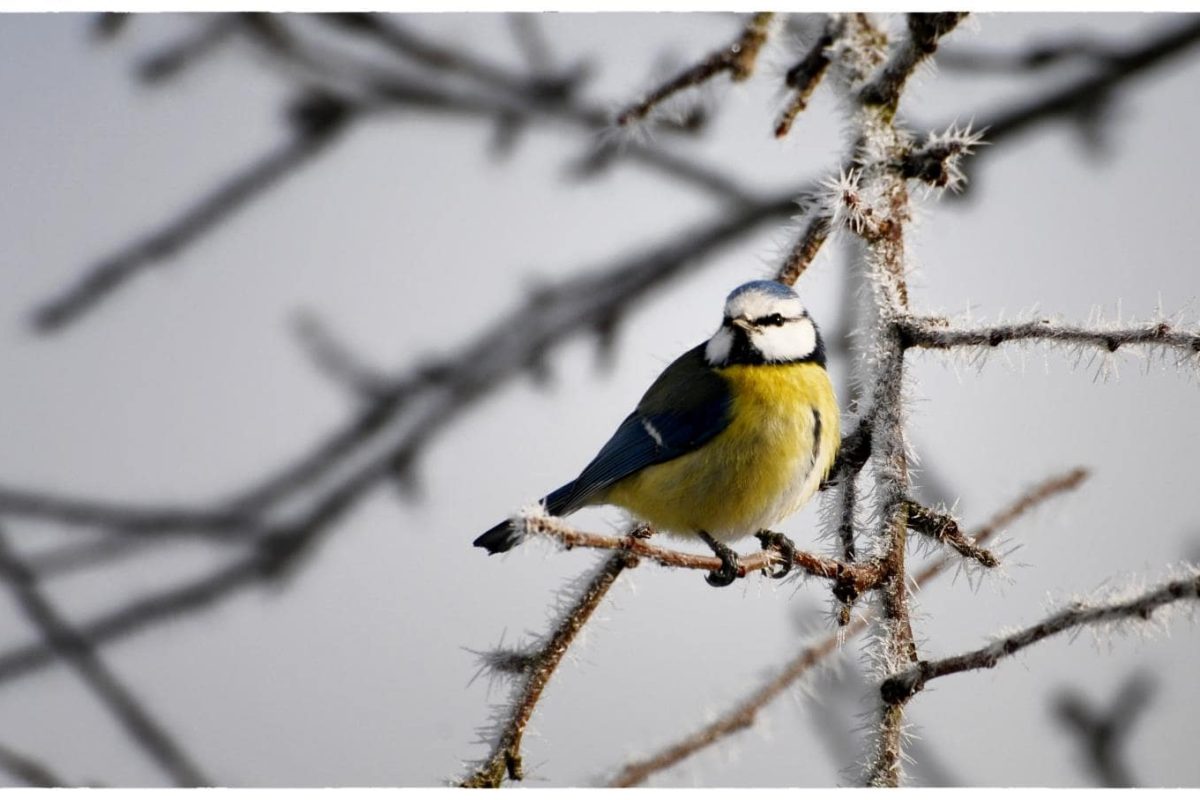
[536, 669]
[924, 33]
[744, 713]
[906, 683]
[737, 59]
[933, 334]
[942, 527]
[861, 577]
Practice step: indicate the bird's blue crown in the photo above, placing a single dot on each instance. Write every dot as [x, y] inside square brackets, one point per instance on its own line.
[773, 288]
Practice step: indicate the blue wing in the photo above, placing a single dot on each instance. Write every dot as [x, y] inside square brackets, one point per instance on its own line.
[688, 405]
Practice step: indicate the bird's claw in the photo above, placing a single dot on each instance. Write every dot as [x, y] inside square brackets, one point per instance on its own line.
[727, 574]
[729, 570]
[785, 546]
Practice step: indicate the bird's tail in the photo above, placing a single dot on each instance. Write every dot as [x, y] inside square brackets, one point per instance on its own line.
[505, 536]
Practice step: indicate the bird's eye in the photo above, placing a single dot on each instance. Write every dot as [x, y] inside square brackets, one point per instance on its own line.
[773, 319]
[727, 321]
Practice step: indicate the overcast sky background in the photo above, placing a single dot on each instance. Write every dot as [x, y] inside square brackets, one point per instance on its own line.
[407, 238]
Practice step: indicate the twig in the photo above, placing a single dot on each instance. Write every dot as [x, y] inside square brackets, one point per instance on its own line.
[174, 59]
[132, 519]
[505, 759]
[943, 528]
[139, 614]
[111, 273]
[737, 59]
[337, 361]
[80, 654]
[804, 77]
[924, 33]
[1102, 732]
[744, 713]
[29, 771]
[908, 682]
[814, 233]
[1117, 69]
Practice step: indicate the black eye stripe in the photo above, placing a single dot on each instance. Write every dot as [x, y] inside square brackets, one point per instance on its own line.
[771, 319]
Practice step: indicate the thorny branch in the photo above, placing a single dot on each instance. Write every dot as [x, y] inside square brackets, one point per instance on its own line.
[932, 335]
[744, 714]
[505, 760]
[858, 577]
[905, 684]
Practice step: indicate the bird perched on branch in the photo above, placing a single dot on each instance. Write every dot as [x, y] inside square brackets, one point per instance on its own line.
[734, 436]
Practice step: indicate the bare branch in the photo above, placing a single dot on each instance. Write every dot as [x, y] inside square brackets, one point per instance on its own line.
[744, 713]
[1102, 733]
[77, 651]
[505, 760]
[319, 120]
[170, 62]
[334, 359]
[804, 77]
[908, 682]
[1116, 70]
[131, 519]
[737, 59]
[29, 771]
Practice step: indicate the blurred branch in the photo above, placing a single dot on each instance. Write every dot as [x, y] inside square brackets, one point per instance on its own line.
[80, 654]
[803, 78]
[29, 771]
[318, 121]
[132, 518]
[1078, 614]
[744, 714]
[1081, 96]
[1033, 58]
[1102, 733]
[505, 759]
[173, 60]
[737, 59]
[337, 362]
[530, 38]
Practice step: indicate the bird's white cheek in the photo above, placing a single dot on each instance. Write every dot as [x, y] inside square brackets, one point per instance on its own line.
[719, 346]
[787, 343]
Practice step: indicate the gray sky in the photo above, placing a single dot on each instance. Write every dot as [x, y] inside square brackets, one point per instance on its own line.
[407, 238]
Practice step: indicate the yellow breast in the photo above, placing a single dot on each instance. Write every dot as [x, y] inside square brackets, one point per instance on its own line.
[769, 461]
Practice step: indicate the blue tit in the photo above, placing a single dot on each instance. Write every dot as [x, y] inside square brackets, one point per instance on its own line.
[734, 436]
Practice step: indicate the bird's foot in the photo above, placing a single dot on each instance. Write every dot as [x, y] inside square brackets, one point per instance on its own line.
[785, 546]
[642, 530]
[728, 571]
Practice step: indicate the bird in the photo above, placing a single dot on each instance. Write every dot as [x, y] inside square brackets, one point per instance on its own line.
[734, 436]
